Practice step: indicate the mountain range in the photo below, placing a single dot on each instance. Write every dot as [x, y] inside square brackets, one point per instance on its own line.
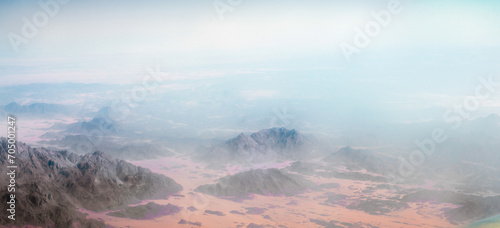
[53, 185]
[269, 182]
[265, 146]
[36, 109]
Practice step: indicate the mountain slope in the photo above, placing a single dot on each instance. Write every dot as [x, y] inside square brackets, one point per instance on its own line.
[358, 159]
[262, 182]
[269, 145]
[52, 185]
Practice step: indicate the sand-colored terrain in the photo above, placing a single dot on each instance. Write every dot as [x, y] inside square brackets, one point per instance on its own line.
[309, 209]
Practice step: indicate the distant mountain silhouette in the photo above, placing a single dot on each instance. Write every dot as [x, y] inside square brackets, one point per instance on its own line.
[99, 123]
[36, 109]
[357, 159]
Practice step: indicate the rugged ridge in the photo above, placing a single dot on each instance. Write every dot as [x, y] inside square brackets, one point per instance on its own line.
[52, 185]
[259, 181]
[104, 125]
[268, 145]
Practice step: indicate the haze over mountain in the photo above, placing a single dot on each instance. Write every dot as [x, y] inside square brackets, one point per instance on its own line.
[37, 110]
[104, 125]
[361, 159]
[302, 113]
[265, 146]
[102, 133]
[270, 182]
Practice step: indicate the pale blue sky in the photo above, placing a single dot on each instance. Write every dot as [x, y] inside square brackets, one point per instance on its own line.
[431, 54]
[258, 29]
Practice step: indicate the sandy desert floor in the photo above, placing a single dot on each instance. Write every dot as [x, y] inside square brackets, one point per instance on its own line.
[305, 210]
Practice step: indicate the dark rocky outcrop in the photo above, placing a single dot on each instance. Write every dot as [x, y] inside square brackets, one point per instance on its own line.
[269, 145]
[262, 182]
[148, 211]
[52, 185]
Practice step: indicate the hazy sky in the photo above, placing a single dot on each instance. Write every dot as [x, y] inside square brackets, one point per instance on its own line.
[430, 54]
[252, 30]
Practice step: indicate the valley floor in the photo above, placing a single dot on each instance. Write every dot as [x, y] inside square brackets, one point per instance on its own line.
[310, 209]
